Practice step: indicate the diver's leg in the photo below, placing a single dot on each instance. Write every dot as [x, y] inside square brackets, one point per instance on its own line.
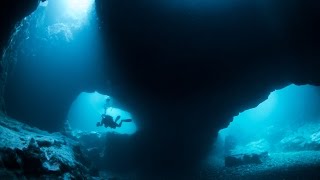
[119, 125]
[117, 118]
[125, 120]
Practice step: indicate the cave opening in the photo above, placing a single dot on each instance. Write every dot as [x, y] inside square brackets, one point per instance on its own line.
[87, 109]
[285, 125]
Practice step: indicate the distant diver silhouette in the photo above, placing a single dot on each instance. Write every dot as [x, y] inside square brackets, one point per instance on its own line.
[107, 121]
[107, 104]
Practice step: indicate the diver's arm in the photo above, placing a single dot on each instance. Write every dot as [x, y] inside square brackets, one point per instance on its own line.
[101, 122]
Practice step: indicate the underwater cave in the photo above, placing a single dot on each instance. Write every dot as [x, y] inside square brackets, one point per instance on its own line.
[171, 89]
[281, 132]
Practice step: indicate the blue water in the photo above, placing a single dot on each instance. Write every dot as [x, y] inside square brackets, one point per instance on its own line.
[288, 112]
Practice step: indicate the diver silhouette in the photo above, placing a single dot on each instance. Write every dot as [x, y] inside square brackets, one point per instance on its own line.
[107, 121]
[107, 104]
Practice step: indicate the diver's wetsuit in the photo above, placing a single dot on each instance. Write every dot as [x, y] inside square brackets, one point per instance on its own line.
[107, 121]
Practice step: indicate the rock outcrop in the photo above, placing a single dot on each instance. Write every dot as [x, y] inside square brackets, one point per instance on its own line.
[27, 152]
[303, 138]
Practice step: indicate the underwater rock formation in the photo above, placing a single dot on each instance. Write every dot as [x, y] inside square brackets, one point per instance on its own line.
[243, 159]
[27, 152]
[305, 137]
[256, 147]
[288, 165]
[108, 151]
[184, 72]
[12, 12]
[253, 153]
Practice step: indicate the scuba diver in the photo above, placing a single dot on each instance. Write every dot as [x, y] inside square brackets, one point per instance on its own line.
[107, 104]
[107, 121]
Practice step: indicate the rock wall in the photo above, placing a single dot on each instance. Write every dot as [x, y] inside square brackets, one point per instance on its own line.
[185, 71]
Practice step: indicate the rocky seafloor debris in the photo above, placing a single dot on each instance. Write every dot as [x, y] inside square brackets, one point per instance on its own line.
[284, 165]
[27, 152]
[294, 153]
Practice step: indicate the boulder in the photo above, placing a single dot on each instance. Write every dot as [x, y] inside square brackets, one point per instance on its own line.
[243, 159]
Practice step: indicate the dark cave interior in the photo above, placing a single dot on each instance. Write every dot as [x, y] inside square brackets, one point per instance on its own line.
[182, 69]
